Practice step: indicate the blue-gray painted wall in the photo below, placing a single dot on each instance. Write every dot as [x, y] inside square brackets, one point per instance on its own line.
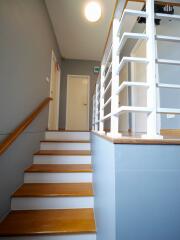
[104, 187]
[147, 190]
[26, 42]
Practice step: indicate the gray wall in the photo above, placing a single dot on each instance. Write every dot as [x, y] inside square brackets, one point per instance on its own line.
[75, 67]
[26, 42]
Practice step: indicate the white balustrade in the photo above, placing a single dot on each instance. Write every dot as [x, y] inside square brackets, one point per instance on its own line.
[106, 100]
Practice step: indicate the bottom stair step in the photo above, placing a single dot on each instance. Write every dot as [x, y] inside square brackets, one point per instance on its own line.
[49, 222]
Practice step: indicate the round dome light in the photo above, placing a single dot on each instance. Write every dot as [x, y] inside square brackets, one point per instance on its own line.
[93, 11]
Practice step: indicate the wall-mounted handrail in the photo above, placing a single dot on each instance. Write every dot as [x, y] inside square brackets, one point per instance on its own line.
[13, 135]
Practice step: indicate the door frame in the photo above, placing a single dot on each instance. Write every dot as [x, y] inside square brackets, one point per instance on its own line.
[57, 78]
[80, 76]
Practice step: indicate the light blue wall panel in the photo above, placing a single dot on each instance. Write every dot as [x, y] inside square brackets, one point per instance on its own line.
[104, 187]
[147, 192]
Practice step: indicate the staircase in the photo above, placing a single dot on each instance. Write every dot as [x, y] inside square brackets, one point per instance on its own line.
[56, 200]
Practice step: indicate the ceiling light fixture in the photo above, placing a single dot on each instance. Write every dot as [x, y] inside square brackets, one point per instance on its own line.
[93, 11]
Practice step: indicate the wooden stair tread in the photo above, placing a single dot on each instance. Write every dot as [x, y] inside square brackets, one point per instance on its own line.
[59, 168]
[61, 130]
[65, 141]
[54, 222]
[54, 190]
[64, 152]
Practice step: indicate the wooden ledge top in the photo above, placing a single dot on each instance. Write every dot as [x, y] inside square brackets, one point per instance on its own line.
[51, 222]
[61, 130]
[54, 190]
[65, 141]
[64, 152]
[135, 139]
[59, 168]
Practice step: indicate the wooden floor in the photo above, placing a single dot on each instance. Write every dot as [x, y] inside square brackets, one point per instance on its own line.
[54, 190]
[64, 152]
[41, 222]
[59, 168]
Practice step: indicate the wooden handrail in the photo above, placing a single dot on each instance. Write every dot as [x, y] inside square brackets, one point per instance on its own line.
[12, 136]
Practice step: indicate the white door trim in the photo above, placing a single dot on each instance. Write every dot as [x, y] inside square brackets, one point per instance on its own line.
[80, 76]
[58, 76]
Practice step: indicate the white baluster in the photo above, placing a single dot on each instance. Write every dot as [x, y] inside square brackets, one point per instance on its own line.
[101, 127]
[96, 108]
[114, 132]
[151, 73]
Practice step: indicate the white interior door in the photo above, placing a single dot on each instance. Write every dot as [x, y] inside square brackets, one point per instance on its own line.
[53, 123]
[139, 95]
[77, 104]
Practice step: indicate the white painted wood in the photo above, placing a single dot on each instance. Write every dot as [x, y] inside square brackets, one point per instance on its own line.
[168, 38]
[96, 105]
[64, 146]
[107, 102]
[57, 177]
[35, 203]
[132, 109]
[130, 12]
[108, 73]
[168, 16]
[72, 136]
[53, 120]
[168, 61]
[168, 110]
[44, 159]
[165, 85]
[151, 76]
[90, 236]
[107, 88]
[77, 102]
[109, 56]
[127, 35]
[93, 113]
[131, 84]
[139, 95]
[130, 59]
[114, 121]
[107, 116]
[102, 94]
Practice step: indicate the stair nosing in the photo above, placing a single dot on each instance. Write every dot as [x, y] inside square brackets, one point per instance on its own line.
[71, 170]
[64, 153]
[86, 192]
[32, 231]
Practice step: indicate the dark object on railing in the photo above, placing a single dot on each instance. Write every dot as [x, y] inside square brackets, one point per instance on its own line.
[166, 9]
[12, 136]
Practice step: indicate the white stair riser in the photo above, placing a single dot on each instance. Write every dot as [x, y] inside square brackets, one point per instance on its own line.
[30, 203]
[72, 136]
[57, 237]
[57, 177]
[40, 159]
[65, 146]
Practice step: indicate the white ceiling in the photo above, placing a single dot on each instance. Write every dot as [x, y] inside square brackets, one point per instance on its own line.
[78, 38]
